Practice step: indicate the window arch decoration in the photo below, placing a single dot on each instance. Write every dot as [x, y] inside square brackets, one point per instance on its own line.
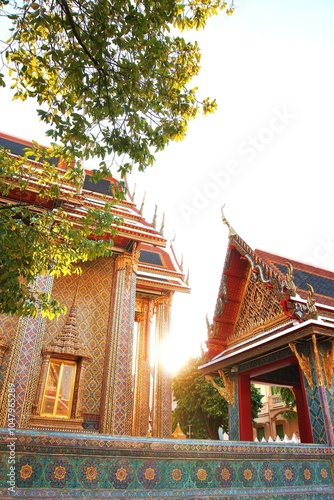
[59, 396]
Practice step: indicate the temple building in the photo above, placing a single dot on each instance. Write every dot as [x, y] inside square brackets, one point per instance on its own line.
[85, 413]
[91, 369]
[273, 324]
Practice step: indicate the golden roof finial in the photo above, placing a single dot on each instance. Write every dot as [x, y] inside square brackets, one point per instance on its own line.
[134, 192]
[154, 221]
[225, 221]
[181, 263]
[311, 302]
[289, 280]
[162, 228]
[142, 204]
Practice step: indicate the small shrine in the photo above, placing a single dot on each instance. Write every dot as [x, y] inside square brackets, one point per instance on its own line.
[273, 324]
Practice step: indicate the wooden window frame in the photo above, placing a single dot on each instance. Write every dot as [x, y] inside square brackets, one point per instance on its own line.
[62, 363]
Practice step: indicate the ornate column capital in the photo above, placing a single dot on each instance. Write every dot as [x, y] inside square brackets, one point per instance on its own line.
[128, 261]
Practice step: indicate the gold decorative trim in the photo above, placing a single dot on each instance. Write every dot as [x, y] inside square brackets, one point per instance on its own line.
[225, 221]
[129, 263]
[312, 310]
[317, 361]
[328, 364]
[289, 280]
[304, 364]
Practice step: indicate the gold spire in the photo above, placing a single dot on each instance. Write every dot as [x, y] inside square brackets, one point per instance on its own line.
[142, 204]
[162, 228]
[68, 340]
[178, 434]
[154, 221]
[225, 221]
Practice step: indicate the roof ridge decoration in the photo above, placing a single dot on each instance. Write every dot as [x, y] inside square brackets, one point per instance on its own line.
[259, 266]
[284, 289]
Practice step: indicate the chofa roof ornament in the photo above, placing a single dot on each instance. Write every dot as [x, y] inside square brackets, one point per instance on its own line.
[289, 283]
[232, 231]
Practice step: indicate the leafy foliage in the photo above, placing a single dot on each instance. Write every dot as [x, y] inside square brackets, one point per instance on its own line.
[288, 397]
[200, 404]
[111, 77]
[112, 82]
[40, 239]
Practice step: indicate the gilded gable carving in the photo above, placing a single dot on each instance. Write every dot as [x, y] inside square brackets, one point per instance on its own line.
[259, 306]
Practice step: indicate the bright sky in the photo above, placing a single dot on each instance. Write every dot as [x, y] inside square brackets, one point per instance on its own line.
[267, 153]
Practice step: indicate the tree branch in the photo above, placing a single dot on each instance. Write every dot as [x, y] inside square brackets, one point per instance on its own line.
[66, 10]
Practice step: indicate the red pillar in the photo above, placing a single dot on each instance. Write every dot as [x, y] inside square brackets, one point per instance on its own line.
[245, 408]
[304, 424]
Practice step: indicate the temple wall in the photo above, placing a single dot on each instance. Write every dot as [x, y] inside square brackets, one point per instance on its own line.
[93, 305]
[8, 327]
[63, 465]
[92, 292]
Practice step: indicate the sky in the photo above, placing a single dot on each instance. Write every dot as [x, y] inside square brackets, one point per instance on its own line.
[267, 154]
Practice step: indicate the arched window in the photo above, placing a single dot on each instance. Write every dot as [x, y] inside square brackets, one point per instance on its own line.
[59, 395]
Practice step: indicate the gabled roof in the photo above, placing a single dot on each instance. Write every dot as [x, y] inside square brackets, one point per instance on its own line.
[158, 269]
[321, 280]
[259, 292]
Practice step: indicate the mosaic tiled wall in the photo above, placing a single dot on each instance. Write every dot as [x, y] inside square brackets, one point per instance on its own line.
[60, 465]
[8, 327]
[93, 302]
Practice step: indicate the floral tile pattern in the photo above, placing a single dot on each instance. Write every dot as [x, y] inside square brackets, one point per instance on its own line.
[64, 465]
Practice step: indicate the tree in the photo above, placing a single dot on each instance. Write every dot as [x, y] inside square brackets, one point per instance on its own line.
[288, 398]
[112, 82]
[112, 77]
[42, 238]
[200, 404]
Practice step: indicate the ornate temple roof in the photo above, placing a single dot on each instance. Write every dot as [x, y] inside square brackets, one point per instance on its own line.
[265, 298]
[158, 269]
[321, 280]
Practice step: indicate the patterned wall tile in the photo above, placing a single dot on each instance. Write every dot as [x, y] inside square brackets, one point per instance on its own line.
[93, 302]
[64, 466]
